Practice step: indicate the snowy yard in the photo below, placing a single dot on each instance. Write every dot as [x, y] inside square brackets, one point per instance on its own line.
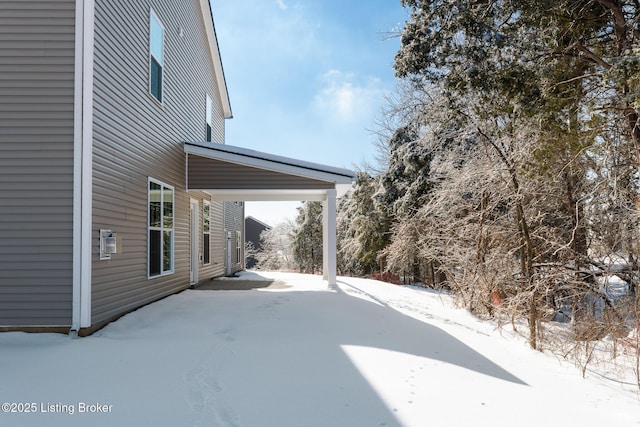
[362, 354]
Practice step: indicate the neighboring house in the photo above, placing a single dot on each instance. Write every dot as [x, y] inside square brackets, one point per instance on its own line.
[115, 188]
[253, 228]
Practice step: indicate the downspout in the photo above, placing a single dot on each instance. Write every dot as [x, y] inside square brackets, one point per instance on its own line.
[243, 254]
[82, 166]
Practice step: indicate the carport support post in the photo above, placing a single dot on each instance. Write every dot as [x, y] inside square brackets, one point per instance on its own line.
[329, 237]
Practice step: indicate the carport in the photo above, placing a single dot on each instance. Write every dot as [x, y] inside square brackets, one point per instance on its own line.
[232, 173]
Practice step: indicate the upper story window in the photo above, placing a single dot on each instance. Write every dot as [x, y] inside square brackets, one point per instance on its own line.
[209, 112]
[156, 56]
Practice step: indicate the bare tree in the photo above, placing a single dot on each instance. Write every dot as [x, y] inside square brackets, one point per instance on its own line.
[276, 248]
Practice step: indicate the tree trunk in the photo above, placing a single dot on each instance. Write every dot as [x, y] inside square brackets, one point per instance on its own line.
[482, 244]
[533, 320]
[575, 210]
[526, 245]
[526, 270]
[631, 116]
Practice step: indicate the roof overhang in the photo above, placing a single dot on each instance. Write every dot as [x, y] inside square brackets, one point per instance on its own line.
[216, 60]
[231, 173]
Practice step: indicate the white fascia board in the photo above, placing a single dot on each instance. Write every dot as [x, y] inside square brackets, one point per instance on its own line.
[271, 162]
[267, 195]
[216, 59]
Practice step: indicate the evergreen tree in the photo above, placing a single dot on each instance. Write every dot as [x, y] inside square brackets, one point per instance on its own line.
[536, 53]
[536, 89]
[363, 227]
[307, 238]
[406, 180]
[406, 183]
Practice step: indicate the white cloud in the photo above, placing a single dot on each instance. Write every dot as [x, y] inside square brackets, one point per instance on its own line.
[345, 98]
[298, 84]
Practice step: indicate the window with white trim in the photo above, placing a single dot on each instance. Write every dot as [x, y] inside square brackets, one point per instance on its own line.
[156, 56]
[206, 231]
[209, 112]
[161, 228]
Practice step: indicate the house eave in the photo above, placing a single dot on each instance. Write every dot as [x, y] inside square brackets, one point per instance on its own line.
[207, 17]
[258, 159]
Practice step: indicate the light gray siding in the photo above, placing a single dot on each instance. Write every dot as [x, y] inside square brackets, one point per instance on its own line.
[36, 161]
[217, 242]
[233, 222]
[135, 138]
[216, 267]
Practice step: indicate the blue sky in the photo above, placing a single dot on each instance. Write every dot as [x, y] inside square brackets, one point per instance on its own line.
[307, 78]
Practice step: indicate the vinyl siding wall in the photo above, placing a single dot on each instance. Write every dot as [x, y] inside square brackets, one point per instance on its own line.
[234, 221]
[136, 137]
[36, 161]
[216, 267]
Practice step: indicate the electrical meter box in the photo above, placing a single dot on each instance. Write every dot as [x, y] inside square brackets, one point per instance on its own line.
[108, 244]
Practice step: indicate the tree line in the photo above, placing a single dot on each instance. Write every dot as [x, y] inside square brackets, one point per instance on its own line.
[508, 167]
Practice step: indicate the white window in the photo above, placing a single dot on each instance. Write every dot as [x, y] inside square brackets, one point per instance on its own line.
[206, 231]
[209, 112]
[156, 56]
[161, 229]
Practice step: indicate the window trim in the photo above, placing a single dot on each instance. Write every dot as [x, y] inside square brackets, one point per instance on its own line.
[206, 235]
[152, 16]
[162, 228]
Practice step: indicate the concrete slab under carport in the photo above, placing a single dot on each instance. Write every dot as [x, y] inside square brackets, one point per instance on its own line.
[239, 284]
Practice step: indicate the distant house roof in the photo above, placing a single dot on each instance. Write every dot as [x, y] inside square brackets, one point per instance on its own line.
[207, 17]
[250, 218]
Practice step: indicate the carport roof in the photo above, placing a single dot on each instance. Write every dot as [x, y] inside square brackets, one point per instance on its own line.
[236, 173]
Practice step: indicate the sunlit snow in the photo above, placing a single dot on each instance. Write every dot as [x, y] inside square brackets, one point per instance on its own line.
[362, 353]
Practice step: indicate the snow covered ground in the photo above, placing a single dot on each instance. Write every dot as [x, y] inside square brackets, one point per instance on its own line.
[363, 353]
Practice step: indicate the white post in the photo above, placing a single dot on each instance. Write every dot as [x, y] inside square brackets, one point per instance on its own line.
[329, 237]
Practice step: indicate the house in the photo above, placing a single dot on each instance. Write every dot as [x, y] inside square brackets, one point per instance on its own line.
[116, 188]
[253, 228]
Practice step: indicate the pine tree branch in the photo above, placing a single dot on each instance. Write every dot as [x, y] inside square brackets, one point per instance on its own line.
[584, 76]
[590, 55]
